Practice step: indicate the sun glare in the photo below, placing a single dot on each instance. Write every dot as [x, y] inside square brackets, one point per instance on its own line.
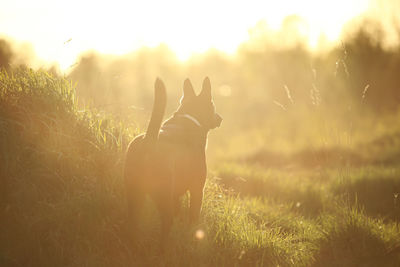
[61, 32]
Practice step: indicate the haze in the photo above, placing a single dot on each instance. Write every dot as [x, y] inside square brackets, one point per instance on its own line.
[60, 31]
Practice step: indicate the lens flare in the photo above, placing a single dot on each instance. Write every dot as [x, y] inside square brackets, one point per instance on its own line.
[199, 234]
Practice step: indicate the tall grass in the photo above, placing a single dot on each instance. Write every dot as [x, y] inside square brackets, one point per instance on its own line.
[63, 200]
[61, 168]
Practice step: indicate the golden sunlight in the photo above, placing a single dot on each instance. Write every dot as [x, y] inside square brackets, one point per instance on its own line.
[200, 133]
[61, 32]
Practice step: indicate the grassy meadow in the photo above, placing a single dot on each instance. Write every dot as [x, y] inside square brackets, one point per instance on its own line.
[305, 174]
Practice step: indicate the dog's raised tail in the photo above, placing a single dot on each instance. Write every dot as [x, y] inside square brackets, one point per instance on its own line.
[160, 100]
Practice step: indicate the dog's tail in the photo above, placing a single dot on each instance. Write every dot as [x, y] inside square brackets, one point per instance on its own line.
[160, 100]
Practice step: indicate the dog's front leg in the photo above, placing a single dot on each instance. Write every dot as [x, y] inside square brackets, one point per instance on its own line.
[196, 199]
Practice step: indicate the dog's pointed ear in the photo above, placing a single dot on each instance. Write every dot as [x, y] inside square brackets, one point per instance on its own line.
[206, 89]
[188, 91]
[159, 85]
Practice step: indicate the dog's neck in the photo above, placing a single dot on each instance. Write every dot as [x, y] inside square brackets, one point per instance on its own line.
[184, 129]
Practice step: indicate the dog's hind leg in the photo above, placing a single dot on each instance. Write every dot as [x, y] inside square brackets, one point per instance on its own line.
[134, 181]
[176, 204]
[166, 210]
[136, 199]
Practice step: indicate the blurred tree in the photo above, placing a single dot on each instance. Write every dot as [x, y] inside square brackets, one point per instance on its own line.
[6, 54]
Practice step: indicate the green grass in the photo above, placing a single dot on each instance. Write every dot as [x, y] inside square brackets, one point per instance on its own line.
[63, 201]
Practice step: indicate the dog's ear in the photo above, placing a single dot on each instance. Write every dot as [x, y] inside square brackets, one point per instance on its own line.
[206, 89]
[159, 85]
[188, 91]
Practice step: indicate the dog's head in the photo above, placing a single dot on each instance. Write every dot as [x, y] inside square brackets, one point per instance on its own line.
[200, 107]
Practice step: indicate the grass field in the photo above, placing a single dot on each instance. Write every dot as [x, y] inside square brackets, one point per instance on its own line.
[322, 203]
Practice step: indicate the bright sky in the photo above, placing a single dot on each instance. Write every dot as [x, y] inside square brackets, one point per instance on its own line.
[186, 26]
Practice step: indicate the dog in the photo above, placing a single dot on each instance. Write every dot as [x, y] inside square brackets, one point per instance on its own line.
[169, 159]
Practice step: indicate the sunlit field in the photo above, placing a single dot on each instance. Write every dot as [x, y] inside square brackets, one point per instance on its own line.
[303, 171]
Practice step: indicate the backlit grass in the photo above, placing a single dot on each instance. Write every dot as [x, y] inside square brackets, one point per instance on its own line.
[63, 200]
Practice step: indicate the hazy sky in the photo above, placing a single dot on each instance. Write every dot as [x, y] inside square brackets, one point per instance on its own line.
[186, 26]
